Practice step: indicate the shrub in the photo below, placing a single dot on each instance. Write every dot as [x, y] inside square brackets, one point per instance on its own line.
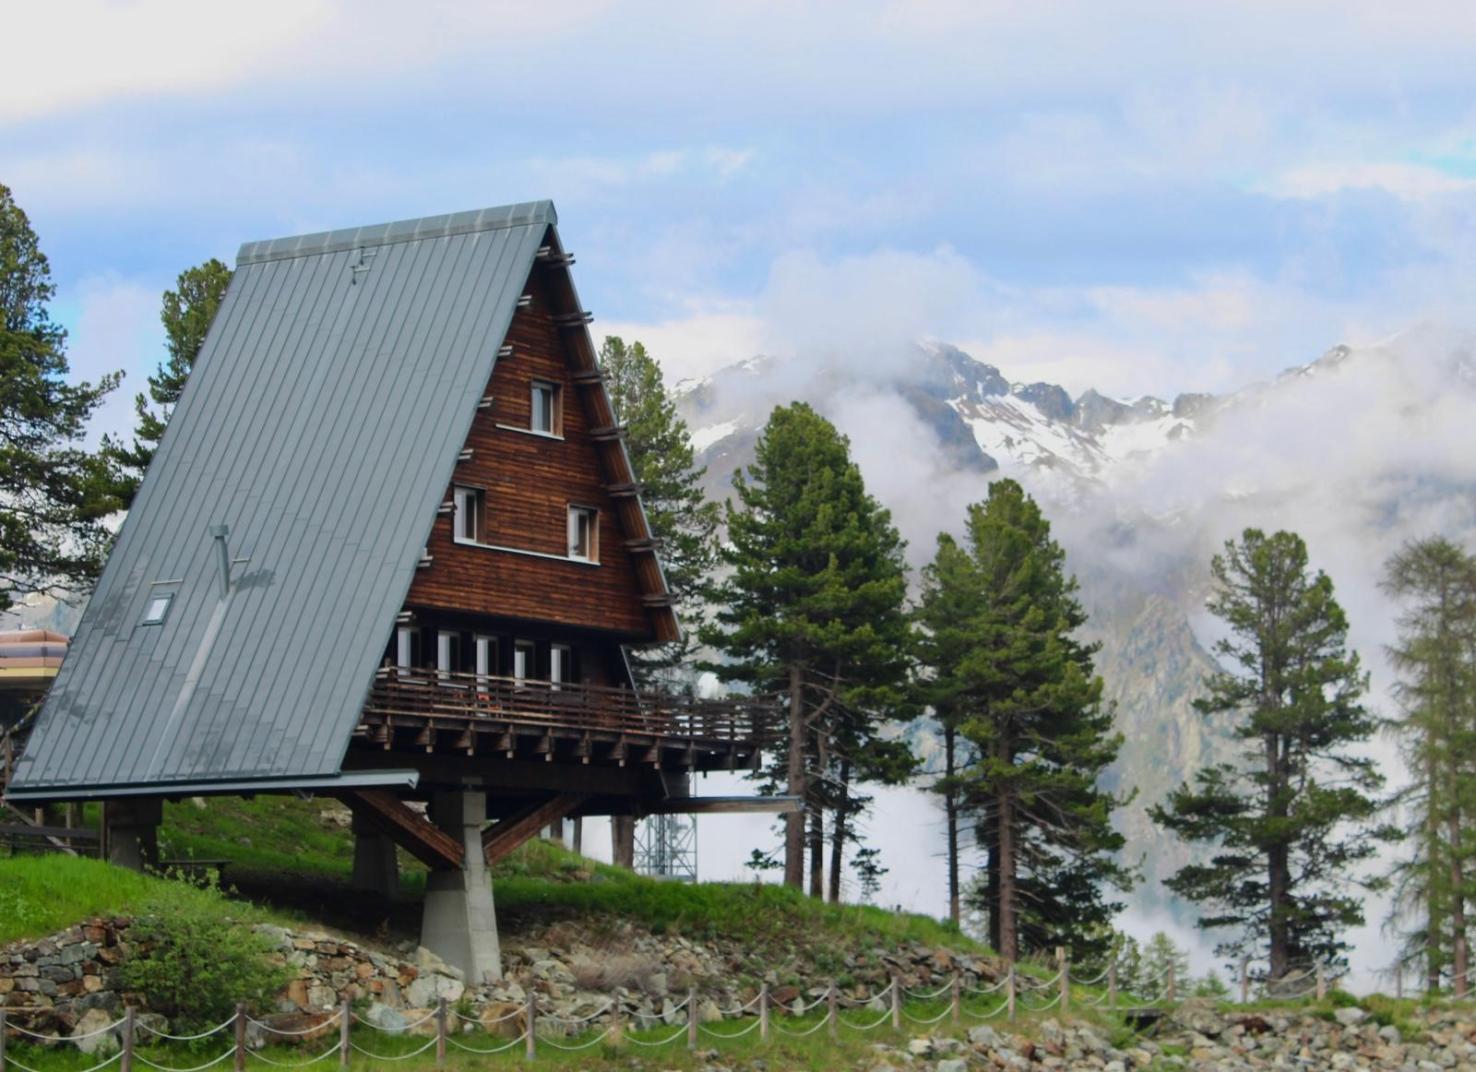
[190, 961]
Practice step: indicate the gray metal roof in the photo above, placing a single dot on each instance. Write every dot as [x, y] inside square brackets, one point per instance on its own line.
[321, 424]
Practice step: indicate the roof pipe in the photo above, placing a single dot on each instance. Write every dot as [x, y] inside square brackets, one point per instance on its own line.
[220, 532]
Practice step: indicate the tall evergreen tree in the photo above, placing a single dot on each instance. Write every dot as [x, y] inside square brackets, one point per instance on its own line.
[1435, 658]
[812, 607]
[1004, 666]
[682, 521]
[187, 313]
[1293, 820]
[54, 494]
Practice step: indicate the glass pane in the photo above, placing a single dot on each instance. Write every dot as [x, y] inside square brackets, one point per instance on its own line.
[542, 408]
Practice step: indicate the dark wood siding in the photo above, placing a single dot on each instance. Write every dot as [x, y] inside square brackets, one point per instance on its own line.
[529, 482]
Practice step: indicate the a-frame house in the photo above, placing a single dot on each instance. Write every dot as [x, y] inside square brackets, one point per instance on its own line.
[390, 548]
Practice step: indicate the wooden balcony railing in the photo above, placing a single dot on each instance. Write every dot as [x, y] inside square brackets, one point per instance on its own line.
[564, 709]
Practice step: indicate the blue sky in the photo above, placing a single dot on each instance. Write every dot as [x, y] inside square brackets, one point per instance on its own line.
[1132, 196]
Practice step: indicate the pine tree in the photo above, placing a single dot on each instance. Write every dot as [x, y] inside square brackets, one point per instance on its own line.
[1000, 617]
[1291, 822]
[187, 313]
[53, 494]
[1435, 658]
[812, 608]
[682, 521]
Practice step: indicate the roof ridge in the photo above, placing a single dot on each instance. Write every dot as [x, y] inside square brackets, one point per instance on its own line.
[525, 213]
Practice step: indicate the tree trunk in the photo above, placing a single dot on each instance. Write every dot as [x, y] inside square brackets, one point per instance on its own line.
[1278, 871]
[1434, 954]
[1459, 955]
[950, 808]
[839, 832]
[1009, 941]
[817, 853]
[794, 822]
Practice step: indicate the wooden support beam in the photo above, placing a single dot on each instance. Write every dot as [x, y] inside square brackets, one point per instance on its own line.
[779, 805]
[607, 433]
[645, 543]
[408, 829]
[657, 599]
[587, 377]
[503, 837]
[622, 491]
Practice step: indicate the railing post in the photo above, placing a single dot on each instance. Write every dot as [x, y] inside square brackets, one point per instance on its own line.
[530, 1051]
[240, 1062]
[832, 1016]
[1010, 989]
[1398, 985]
[1063, 968]
[764, 1013]
[1172, 989]
[345, 1019]
[2, 1040]
[125, 1063]
[1245, 980]
[440, 1032]
[1112, 982]
[957, 1003]
[617, 1028]
[1321, 981]
[692, 1018]
[896, 1003]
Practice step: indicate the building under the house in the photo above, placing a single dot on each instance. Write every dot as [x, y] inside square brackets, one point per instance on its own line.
[390, 549]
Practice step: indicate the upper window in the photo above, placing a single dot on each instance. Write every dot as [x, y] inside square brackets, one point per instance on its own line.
[467, 520]
[158, 609]
[546, 416]
[584, 533]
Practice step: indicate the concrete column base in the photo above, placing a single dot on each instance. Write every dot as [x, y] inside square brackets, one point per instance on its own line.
[376, 869]
[459, 923]
[133, 831]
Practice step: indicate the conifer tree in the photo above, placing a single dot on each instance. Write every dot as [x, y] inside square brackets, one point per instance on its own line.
[54, 494]
[682, 521]
[1435, 658]
[187, 313]
[1004, 665]
[1293, 820]
[812, 606]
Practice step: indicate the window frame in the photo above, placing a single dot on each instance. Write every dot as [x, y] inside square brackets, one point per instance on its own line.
[156, 610]
[555, 429]
[578, 510]
[477, 498]
[526, 653]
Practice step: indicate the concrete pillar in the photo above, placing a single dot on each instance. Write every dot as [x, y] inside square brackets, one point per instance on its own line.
[459, 924]
[133, 831]
[376, 870]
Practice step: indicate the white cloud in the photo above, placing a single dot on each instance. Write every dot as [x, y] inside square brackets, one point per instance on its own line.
[116, 329]
[692, 347]
[1411, 182]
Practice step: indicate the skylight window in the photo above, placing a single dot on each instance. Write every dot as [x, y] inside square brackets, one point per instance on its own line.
[157, 610]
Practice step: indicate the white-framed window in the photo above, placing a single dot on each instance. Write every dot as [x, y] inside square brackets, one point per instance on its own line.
[448, 654]
[584, 533]
[546, 417]
[467, 518]
[485, 650]
[407, 647]
[158, 609]
[559, 663]
[523, 654]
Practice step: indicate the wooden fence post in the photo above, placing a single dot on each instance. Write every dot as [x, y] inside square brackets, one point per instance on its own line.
[831, 1011]
[896, 1003]
[764, 1013]
[530, 1050]
[345, 1019]
[692, 1018]
[1321, 982]
[1063, 968]
[957, 1008]
[1010, 989]
[1398, 984]
[1112, 982]
[1245, 980]
[617, 1030]
[2, 1040]
[240, 1062]
[125, 1063]
[440, 1032]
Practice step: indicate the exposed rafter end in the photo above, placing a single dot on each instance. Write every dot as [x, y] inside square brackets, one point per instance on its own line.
[574, 320]
[658, 599]
[622, 491]
[643, 545]
[587, 377]
[607, 433]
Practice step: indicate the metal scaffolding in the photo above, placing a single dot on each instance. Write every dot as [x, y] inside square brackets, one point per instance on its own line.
[666, 847]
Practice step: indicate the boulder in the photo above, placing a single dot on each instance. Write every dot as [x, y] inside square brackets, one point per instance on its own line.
[390, 1021]
[96, 1033]
[1350, 1016]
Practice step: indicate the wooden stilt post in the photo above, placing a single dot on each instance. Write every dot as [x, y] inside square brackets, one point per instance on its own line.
[1063, 968]
[440, 1032]
[957, 995]
[345, 1018]
[1112, 982]
[896, 1003]
[530, 1050]
[692, 1018]
[125, 1063]
[832, 1013]
[240, 1062]
[1245, 980]
[1010, 990]
[764, 1013]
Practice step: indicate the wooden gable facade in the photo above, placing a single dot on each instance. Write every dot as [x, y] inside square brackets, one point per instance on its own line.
[507, 576]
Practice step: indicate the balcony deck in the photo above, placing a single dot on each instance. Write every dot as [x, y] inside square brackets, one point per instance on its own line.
[498, 717]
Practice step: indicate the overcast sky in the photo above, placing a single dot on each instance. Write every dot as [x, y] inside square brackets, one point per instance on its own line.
[1146, 198]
